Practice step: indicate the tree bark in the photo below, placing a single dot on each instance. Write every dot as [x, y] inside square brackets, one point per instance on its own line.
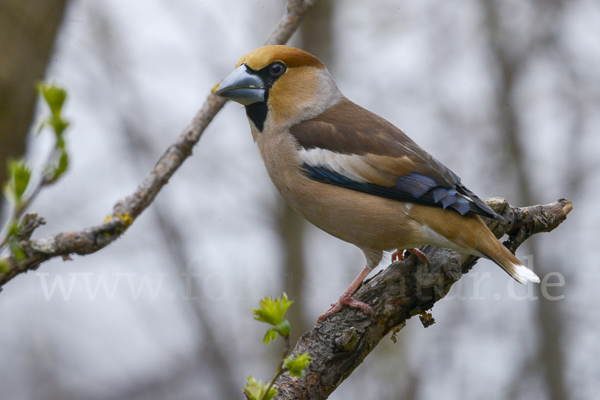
[27, 34]
[407, 288]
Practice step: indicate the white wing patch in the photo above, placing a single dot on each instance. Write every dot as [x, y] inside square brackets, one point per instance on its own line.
[339, 163]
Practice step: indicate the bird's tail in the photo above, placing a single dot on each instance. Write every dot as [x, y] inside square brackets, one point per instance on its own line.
[499, 254]
[471, 236]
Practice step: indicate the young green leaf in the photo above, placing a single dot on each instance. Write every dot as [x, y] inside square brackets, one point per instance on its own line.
[63, 162]
[16, 250]
[59, 125]
[4, 266]
[14, 227]
[19, 176]
[54, 95]
[272, 310]
[270, 336]
[283, 328]
[53, 172]
[297, 366]
[258, 390]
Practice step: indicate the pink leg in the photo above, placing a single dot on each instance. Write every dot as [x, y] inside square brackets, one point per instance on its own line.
[399, 255]
[346, 297]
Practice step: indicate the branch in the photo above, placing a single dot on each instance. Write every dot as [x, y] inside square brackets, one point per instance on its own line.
[125, 212]
[342, 341]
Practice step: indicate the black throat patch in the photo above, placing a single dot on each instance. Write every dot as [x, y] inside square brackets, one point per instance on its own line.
[257, 112]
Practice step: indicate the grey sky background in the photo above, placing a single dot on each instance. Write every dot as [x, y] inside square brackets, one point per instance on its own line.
[165, 311]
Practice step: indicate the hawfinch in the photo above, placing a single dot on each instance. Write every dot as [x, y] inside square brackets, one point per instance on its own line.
[352, 173]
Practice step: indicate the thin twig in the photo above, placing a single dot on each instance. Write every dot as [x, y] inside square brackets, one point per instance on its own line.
[280, 369]
[125, 212]
[17, 211]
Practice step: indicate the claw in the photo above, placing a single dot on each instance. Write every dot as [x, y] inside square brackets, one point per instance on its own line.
[346, 297]
[346, 300]
[398, 255]
[420, 255]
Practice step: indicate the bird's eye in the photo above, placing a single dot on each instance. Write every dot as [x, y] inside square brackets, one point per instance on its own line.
[276, 69]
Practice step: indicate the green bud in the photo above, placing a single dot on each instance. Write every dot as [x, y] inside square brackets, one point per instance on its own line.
[59, 125]
[283, 328]
[53, 172]
[297, 366]
[54, 95]
[270, 336]
[272, 310]
[257, 390]
[19, 176]
[16, 250]
[4, 266]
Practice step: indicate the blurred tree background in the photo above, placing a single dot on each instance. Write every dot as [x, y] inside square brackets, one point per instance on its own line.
[506, 93]
[27, 35]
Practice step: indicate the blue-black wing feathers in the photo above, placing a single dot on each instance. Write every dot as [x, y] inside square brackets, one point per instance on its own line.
[359, 133]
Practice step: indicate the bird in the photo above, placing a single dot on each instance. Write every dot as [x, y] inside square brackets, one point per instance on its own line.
[352, 173]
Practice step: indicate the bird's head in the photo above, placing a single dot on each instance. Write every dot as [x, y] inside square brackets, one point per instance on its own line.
[280, 86]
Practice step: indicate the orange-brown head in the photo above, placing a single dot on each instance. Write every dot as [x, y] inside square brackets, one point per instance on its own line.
[280, 86]
[290, 56]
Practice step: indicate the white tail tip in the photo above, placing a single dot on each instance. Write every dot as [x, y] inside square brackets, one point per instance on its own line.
[523, 274]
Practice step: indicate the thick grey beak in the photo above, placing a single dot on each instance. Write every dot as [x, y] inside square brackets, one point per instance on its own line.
[242, 86]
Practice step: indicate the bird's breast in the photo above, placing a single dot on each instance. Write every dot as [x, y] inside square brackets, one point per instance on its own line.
[365, 220]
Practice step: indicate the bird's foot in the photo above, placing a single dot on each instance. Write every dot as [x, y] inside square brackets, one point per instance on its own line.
[398, 255]
[346, 300]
